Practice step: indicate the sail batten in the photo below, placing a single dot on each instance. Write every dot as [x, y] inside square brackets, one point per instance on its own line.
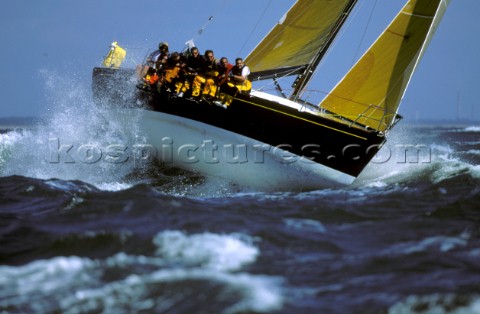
[371, 91]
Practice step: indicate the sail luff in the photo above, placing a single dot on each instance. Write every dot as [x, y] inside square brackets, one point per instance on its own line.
[442, 8]
[297, 38]
[258, 49]
[304, 78]
[371, 91]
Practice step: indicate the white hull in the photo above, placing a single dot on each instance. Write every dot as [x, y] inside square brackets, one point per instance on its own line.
[215, 152]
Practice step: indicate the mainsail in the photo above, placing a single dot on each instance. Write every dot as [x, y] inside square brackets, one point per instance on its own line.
[371, 91]
[297, 42]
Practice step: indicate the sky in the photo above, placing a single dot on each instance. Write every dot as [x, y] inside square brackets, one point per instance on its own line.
[66, 39]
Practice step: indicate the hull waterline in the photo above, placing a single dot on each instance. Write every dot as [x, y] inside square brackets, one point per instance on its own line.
[261, 141]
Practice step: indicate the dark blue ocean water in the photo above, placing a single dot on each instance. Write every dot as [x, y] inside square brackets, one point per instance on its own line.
[90, 238]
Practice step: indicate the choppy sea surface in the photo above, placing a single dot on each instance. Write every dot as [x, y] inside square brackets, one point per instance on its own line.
[108, 238]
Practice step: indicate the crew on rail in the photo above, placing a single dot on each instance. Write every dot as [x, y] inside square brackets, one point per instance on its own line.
[193, 76]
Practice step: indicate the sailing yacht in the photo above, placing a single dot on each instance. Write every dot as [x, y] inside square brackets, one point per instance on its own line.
[282, 142]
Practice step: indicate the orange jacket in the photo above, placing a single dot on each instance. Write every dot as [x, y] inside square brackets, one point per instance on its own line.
[151, 79]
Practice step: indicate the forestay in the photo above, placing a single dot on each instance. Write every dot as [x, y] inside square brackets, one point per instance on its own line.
[299, 38]
[371, 91]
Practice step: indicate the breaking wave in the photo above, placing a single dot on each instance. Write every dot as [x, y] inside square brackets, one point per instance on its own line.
[174, 277]
[71, 141]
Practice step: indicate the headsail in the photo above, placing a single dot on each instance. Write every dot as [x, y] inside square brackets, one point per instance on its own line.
[371, 91]
[299, 39]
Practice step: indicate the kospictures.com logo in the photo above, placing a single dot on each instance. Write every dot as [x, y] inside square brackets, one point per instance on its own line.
[211, 153]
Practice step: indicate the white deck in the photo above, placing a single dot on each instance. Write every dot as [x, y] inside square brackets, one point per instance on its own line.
[282, 101]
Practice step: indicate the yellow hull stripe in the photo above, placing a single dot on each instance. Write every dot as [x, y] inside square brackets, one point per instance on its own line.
[303, 119]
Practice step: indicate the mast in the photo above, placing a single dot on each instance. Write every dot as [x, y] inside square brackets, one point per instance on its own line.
[294, 45]
[303, 78]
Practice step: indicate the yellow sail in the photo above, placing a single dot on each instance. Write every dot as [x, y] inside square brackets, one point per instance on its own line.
[115, 56]
[297, 38]
[371, 91]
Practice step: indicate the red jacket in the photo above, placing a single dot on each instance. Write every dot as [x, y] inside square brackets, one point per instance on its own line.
[224, 70]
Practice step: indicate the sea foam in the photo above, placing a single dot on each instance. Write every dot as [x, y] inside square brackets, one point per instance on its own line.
[74, 139]
[213, 251]
[185, 269]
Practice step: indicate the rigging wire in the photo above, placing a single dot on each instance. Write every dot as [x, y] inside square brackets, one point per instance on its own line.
[202, 29]
[217, 11]
[191, 43]
[254, 27]
[364, 33]
[342, 31]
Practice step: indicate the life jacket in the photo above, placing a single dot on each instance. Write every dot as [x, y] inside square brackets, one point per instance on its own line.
[151, 78]
[194, 64]
[172, 73]
[211, 68]
[243, 87]
[237, 71]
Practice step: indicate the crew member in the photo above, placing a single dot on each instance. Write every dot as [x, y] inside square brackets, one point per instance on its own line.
[237, 82]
